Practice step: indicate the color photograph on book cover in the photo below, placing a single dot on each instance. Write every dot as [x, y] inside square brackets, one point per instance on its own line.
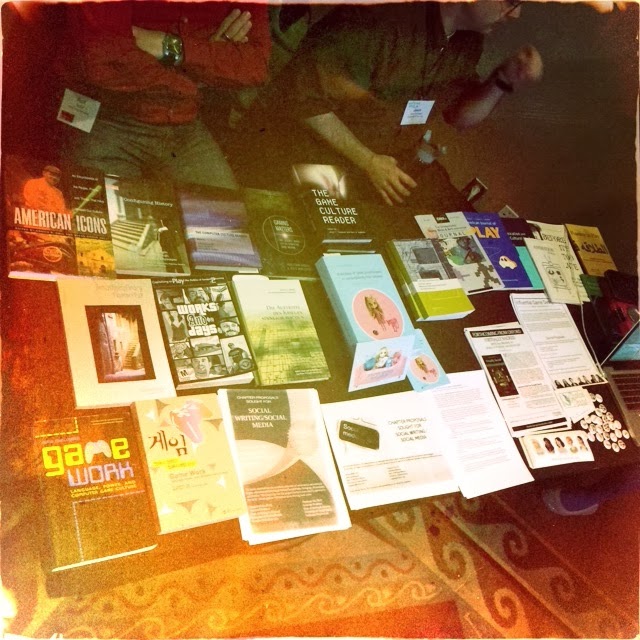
[119, 342]
[377, 315]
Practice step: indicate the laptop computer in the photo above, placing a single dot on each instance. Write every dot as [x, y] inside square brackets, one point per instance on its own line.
[622, 368]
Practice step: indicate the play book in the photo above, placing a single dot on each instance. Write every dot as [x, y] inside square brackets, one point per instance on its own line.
[146, 227]
[284, 462]
[590, 249]
[114, 342]
[281, 235]
[280, 330]
[56, 221]
[334, 216]
[495, 241]
[95, 502]
[370, 312]
[189, 462]
[203, 334]
[557, 233]
[217, 229]
[462, 249]
[428, 283]
[518, 229]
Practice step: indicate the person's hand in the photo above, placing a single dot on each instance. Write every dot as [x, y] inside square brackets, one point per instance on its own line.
[391, 182]
[524, 67]
[149, 41]
[234, 28]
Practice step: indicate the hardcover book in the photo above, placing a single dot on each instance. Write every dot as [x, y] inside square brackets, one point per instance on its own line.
[462, 249]
[189, 462]
[280, 330]
[590, 248]
[281, 235]
[146, 227]
[95, 502]
[217, 230]
[429, 285]
[488, 228]
[57, 221]
[518, 229]
[335, 218]
[204, 336]
[284, 462]
[373, 319]
[114, 342]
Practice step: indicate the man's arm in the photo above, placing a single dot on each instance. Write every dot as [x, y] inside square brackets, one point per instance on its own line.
[475, 104]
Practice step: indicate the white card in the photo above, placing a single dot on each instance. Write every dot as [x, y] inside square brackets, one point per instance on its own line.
[78, 111]
[417, 111]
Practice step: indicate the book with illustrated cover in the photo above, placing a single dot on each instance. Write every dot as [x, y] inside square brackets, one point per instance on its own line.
[216, 228]
[488, 228]
[518, 229]
[114, 342]
[428, 282]
[190, 469]
[204, 336]
[424, 370]
[590, 248]
[282, 236]
[334, 216]
[462, 249]
[280, 330]
[284, 462]
[146, 227]
[370, 312]
[56, 221]
[95, 501]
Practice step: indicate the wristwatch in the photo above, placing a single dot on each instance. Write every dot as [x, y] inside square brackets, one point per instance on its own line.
[172, 50]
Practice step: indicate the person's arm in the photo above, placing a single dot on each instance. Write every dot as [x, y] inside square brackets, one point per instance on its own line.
[389, 180]
[475, 104]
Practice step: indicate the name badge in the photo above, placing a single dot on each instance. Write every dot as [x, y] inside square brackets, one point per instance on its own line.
[78, 111]
[417, 111]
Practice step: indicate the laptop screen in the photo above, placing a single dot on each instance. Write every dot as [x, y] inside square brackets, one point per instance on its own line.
[628, 349]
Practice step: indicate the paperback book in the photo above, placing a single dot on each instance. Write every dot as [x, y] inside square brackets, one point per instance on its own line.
[146, 227]
[114, 342]
[424, 370]
[56, 221]
[462, 250]
[217, 230]
[370, 312]
[284, 462]
[190, 469]
[95, 501]
[518, 229]
[488, 228]
[280, 330]
[590, 248]
[203, 334]
[428, 283]
[281, 235]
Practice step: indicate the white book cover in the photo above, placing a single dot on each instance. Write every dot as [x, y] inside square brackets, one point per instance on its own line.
[114, 341]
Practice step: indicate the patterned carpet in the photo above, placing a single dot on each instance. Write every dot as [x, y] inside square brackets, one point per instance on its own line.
[440, 568]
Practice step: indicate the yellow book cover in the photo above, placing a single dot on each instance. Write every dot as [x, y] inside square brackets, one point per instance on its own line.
[591, 249]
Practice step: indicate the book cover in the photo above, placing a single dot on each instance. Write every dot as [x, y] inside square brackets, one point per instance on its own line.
[335, 217]
[462, 249]
[216, 227]
[551, 265]
[281, 235]
[190, 469]
[429, 284]
[280, 330]
[558, 234]
[114, 342]
[204, 336]
[424, 370]
[284, 462]
[518, 229]
[146, 227]
[56, 221]
[372, 317]
[495, 241]
[590, 248]
[95, 502]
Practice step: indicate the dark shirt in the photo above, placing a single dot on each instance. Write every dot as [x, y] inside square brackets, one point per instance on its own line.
[109, 67]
